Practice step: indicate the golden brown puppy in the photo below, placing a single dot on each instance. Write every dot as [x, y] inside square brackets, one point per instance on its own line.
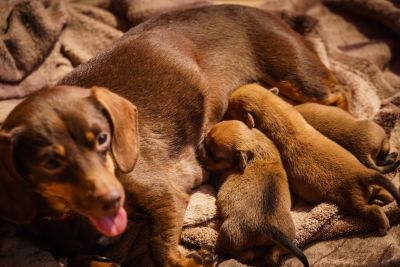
[254, 199]
[318, 168]
[364, 138]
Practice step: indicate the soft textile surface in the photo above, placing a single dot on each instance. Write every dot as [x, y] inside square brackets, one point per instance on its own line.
[137, 11]
[362, 53]
[40, 41]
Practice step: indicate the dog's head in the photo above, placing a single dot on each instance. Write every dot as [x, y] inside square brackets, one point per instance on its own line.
[65, 144]
[227, 147]
[246, 100]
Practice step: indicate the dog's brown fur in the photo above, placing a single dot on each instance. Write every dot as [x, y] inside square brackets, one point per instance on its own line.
[364, 138]
[177, 71]
[318, 169]
[254, 199]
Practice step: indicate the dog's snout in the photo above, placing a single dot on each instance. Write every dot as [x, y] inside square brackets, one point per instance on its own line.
[111, 200]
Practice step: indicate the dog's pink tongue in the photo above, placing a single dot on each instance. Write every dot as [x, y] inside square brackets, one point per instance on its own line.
[111, 225]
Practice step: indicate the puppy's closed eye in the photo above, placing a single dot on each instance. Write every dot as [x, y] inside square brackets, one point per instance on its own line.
[211, 154]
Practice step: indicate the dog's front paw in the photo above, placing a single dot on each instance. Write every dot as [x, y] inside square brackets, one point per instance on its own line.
[103, 264]
[204, 258]
[91, 261]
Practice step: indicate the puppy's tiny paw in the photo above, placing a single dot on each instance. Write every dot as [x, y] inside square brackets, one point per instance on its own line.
[383, 231]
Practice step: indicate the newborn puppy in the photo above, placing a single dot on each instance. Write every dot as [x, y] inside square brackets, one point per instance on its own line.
[254, 199]
[318, 169]
[364, 138]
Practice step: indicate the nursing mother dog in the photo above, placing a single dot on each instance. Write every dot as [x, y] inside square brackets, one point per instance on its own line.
[116, 138]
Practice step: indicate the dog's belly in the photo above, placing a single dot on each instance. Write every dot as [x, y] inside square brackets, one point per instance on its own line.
[186, 172]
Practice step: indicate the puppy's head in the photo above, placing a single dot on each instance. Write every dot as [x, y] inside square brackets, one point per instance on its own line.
[250, 101]
[65, 144]
[227, 147]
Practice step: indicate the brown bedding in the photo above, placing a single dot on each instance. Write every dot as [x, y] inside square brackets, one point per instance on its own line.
[41, 41]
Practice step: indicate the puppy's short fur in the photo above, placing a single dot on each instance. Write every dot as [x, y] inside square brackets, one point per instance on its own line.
[364, 138]
[318, 169]
[169, 81]
[254, 199]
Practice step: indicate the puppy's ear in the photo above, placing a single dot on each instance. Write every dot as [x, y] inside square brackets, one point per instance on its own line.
[17, 203]
[248, 119]
[274, 90]
[242, 158]
[124, 122]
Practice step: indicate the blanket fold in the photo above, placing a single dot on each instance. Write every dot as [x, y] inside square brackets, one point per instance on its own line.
[31, 30]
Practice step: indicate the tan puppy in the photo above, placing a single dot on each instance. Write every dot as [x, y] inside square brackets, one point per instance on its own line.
[364, 138]
[318, 168]
[254, 199]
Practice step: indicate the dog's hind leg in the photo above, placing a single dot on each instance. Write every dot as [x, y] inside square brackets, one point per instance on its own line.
[380, 194]
[357, 204]
[232, 238]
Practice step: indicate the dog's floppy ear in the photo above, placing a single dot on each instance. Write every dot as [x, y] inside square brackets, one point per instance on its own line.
[248, 119]
[124, 120]
[17, 203]
[274, 90]
[242, 159]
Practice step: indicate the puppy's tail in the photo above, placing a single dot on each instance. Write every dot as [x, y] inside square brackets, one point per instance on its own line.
[380, 180]
[282, 240]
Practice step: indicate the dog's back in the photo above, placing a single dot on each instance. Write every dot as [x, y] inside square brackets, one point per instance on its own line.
[197, 57]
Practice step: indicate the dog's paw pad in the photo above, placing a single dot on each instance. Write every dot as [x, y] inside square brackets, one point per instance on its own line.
[383, 231]
[204, 258]
[103, 262]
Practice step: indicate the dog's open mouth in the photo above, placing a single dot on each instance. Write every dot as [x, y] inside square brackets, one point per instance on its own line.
[111, 225]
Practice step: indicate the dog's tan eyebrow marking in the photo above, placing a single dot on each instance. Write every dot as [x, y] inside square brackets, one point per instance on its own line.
[59, 150]
[90, 137]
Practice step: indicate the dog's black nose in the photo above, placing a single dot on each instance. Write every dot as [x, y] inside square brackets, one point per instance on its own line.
[111, 200]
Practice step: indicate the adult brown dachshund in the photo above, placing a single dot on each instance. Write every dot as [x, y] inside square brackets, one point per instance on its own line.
[101, 154]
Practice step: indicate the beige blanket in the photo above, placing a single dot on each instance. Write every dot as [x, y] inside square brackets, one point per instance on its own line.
[360, 51]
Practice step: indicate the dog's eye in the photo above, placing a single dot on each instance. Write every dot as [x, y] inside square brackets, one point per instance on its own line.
[51, 164]
[102, 138]
[211, 154]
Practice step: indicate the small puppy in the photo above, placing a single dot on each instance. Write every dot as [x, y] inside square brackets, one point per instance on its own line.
[364, 138]
[254, 199]
[318, 169]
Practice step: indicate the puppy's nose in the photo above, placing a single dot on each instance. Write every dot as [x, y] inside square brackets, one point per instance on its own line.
[111, 200]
